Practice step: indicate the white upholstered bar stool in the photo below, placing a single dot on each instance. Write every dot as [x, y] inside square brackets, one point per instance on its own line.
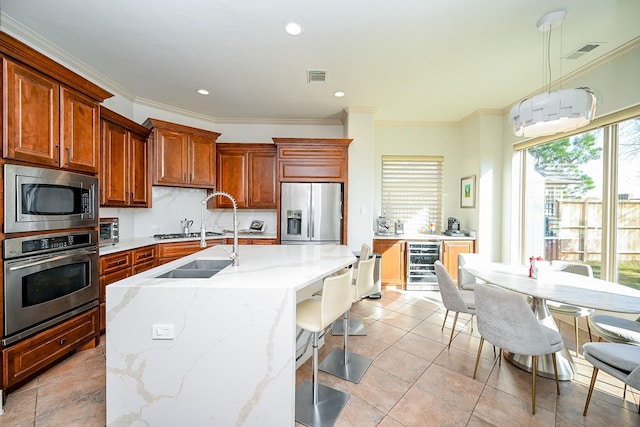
[341, 362]
[363, 285]
[316, 404]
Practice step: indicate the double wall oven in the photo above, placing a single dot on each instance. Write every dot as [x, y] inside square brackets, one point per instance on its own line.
[50, 267]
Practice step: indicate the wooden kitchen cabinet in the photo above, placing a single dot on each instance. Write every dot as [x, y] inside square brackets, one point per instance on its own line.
[27, 358]
[183, 156]
[312, 159]
[248, 173]
[245, 241]
[393, 261]
[125, 179]
[168, 252]
[449, 254]
[47, 123]
[143, 259]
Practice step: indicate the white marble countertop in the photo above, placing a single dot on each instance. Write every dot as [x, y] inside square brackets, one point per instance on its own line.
[262, 266]
[421, 236]
[138, 242]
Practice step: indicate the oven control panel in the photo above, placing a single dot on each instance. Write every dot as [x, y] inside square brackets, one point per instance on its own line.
[47, 243]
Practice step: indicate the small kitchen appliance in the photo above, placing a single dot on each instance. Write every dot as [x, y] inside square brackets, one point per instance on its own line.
[383, 225]
[453, 227]
[186, 226]
[109, 231]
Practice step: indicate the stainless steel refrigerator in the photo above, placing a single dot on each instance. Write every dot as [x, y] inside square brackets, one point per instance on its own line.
[310, 213]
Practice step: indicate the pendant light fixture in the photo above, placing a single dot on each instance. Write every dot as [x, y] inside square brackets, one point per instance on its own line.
[556, 111]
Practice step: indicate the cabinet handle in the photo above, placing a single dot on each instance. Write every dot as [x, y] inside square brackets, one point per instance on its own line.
[62, 341]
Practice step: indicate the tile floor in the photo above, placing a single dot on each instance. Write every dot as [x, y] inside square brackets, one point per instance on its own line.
[414, 379]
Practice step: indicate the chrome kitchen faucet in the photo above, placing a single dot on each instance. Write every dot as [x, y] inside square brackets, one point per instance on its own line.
[234, 256]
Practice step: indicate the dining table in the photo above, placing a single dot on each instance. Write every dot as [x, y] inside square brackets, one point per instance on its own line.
[559, 286]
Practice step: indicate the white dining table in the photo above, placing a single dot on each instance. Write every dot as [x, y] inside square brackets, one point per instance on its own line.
[568, 288]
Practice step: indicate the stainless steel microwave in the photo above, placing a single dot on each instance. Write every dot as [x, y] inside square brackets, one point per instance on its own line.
[109, 231]
[38, 199]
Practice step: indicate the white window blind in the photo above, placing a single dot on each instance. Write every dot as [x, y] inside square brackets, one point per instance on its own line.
[412, 188]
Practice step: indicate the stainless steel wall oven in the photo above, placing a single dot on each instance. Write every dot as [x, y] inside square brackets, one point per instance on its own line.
[48, 278]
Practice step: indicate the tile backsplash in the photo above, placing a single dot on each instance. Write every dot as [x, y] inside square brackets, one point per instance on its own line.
[173, 204]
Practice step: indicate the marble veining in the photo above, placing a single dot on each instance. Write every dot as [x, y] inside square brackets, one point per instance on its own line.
[232, 358]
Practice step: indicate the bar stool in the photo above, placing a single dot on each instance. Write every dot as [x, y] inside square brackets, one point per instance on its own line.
[341, 362]
[316, 404]
[363, 286]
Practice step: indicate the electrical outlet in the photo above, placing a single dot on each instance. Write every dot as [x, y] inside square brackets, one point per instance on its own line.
[162, 332]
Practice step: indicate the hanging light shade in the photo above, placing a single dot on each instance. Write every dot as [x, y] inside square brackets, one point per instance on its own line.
[553, 112]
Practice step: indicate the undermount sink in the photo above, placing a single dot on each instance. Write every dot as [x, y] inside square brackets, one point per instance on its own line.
[206, 264]
[198, 269]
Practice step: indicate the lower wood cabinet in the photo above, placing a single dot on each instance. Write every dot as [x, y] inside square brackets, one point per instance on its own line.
[393, 263]
[244, 241]
[31, 356]
[168, 252]
[449, 254]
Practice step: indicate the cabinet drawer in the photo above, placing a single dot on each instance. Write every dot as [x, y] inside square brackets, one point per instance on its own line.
[144, 266]
[114, 262]
[32, 355]
[107, 279]
[319, 170]
[144, 254]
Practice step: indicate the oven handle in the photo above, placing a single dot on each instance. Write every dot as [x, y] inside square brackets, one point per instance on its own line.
[49, 259]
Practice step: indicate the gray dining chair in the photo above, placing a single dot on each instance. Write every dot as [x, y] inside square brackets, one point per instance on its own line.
[453, 299]
[466, 280]
[506, 320]
[572, 310]
[621, 361]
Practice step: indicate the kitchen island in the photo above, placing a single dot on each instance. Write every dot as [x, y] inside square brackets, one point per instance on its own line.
[215, 351]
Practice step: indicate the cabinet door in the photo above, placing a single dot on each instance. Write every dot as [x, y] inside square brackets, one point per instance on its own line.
[32, 128]
[80, 130]
[262, 180]
[115, 169]
[202, 162]
[171, 157]
[393, 261]
[231, 178]
[450, 251]
[139, 184]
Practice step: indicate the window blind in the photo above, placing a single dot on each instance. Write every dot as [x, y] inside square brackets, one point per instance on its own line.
[412, 188]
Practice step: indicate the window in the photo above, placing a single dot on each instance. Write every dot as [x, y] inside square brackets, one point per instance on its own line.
[412, 188]
[582, 200]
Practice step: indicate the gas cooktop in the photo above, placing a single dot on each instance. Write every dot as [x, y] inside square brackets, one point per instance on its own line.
[182, 235]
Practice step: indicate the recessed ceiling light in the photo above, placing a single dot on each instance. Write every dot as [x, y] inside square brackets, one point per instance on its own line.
[338, 94]
[203, 92]
[293, 28]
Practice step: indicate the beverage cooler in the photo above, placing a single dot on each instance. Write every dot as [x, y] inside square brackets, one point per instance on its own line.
[421, 273]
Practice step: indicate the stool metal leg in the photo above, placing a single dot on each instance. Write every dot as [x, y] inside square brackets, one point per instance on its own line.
[344, 364]
[318, 405]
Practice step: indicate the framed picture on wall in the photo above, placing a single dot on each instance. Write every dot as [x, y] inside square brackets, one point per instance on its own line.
[468, 192]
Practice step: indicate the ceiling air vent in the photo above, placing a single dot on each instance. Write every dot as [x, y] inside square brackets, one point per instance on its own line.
[588, 47]
[316, 76]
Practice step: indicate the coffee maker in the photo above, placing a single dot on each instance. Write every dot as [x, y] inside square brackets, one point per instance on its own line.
[453, 226]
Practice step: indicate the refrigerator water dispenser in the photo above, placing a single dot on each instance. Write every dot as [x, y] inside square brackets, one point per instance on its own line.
[294, 222]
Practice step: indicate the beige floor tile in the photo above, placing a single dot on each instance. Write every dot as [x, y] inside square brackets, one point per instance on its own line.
[503, 409]
[379, 388]
[420, 346]
[400, 320]
[403, 365]
[449, 386]
[419, 408]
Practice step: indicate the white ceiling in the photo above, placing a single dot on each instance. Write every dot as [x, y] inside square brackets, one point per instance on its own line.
[413, 60]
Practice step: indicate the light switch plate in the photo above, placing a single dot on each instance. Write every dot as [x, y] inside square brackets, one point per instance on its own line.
[162, 332]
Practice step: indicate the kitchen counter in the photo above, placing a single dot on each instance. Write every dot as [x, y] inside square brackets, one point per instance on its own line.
[224, 350]
[138, 242]
[421, 236]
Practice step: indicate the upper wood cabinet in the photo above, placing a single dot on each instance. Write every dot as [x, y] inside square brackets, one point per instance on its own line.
[248, 173]
[312, 159]
[125, 179]
[183, 156]
[50, 114]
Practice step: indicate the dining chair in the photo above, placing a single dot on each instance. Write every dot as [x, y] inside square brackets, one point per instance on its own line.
[453, 299]
[315, 404]
[572, 310]
[466, 280]
[617, 330]
[341, 362]
[505, 320]
[621, 361]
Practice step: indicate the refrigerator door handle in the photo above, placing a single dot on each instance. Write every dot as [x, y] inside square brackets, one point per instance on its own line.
[310, 230]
